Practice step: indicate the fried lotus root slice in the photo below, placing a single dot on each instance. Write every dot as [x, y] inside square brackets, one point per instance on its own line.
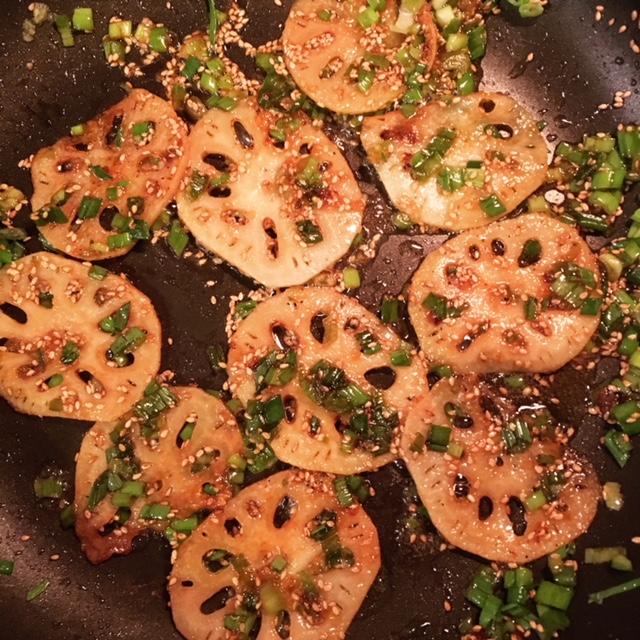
[155, 472]
[332, 363]
[279, 215]
[349, 69]
[504, 506]
[519, 295]
[460, 164]
[283, 555]
[114, 179]
[77, 341]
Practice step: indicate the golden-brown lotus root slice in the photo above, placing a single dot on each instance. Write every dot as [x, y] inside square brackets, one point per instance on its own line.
[317, 324]
[164, 469]
[485, 300]
[247, 198]
[478, 501]
[331, 59]
[55, 359]
[129, 158]
[282, 553]
[497, 152]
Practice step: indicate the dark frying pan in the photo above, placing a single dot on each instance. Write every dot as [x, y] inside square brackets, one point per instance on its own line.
[578, 64]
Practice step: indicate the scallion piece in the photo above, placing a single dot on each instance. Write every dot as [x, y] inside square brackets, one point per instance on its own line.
[492, 206]
[599, 596]
[38, 590]
[198, 185]
[402, 221]
[368, 343]
[125, 344]
[89, 208]
[244, 308]
[63, 24]
[389, 310]
[478, 42]
[516, 436]
[155, 512]
[120, 240]
[70, 353]
[159, 39]
[55, 380]
[466, 83]
[554, 595]
[627, 415]
[619, 445]
[438, 438]
[426, 162]
[115, 51]
[531, 309]
[309, 231]
[178, 238]
[368, 18]
[98, 273]
[120, 29]
[6, 567]
[214, 22]
[83, 20]
[117, 322]
[48, 488]
[351, 278]
[441, 308]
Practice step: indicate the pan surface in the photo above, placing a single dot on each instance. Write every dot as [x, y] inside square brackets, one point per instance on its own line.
[578, 64]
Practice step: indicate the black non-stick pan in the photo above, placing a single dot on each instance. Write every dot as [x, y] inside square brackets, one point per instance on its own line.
[578, 63]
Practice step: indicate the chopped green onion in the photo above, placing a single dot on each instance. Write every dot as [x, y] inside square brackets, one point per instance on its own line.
[351, 278]
[70, 353]
[178, 238]
[619, 445]
[114, 50]
[89, 208]
[466, 83]
[117, 322]
[389, 312]
[554, 595]
[627, 416]
[368, 18]
[155, 512]
[492, 206]
[310, 232]
[38, 590]
[48, 488]
[441, 308]
[120, 29]
[402, 221]
[599, 596]
[83, 20]
[159, 40]
[198, 185]
[63, 24]
[368, 343]
[438, 438]
[245, 308]
[427, 161]
[214, 22]
[55, 380]
[125, 344]
[6, 567]
[120, 240]
[279, 564]
[516, 436]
